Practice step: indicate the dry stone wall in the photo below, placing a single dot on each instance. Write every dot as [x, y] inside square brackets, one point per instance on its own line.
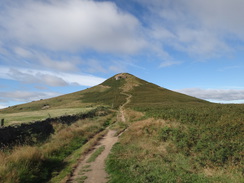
[38, 131]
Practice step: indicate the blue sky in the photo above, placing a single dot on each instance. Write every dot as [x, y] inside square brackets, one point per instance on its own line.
[53, 47]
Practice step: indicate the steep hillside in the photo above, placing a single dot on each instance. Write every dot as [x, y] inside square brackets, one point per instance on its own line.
[111, 96]
[150, 94]
[71, 100]
[108, 93]
[179, 139]
[111, 93]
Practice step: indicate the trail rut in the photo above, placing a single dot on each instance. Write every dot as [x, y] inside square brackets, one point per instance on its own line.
[121, 108]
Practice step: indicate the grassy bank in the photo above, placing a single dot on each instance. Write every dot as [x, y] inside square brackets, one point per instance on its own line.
[43, 162]
[181, 143]
[144, 155]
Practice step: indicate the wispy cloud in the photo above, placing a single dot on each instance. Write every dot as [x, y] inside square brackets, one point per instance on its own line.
[95, 66]
[48, 78]
[2, 106]
[196, 27]
[221, 95]
[169, 63]
[37, 77]
[26, 96]
[230, 68]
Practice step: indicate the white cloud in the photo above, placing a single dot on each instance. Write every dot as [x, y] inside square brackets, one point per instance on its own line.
[95, 66]
[159, 32]
[22, 52]
[26, 96]
[27, 76]
[48, 77]
[117, 68]
[84, 80]
[221, 95]
[2, 106]
[169, 63]
[71, 25]
[58, 65]
[200, 28]
[220, 15]
[200, 42]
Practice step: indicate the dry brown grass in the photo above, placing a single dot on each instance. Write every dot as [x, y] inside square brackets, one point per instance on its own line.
[23, 153]
[142, 134]
[147, 126]
[132, 115]
[131, 82]
[228, 172]
[98, 88]
[20, 159]
[2, 162]
[64, 134]
[141, 143]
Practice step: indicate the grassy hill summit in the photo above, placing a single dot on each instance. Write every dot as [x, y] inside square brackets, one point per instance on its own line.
[167, 136]
[107, 93]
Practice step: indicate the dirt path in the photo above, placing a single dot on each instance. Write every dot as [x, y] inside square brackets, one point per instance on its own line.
[94, 172]
[121, 108]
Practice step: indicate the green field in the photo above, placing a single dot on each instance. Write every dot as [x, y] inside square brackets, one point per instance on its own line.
[23, 117]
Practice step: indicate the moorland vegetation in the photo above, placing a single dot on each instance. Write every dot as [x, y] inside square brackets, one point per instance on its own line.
[169, 137]
[179, 139]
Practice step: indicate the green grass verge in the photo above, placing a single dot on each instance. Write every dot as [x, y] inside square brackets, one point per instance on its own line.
[94, 155]
[81, 179]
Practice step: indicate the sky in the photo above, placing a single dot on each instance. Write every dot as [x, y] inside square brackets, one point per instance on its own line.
[54, 47]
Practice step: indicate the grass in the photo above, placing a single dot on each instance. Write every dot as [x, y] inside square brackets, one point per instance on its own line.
[110, 97]
[143, 156]
[77, 154]
[213, 131]
[23, 117]
[51, 160]
[81, 179]
[180, 139]
[150, 95]
[72, 100]
[93, 157]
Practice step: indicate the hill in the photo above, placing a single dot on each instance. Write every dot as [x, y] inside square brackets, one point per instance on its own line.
[168, 136]
[107, 93]
[179, 139]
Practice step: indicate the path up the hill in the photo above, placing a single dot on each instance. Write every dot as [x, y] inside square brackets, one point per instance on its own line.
[94, 172]
[121, 114]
